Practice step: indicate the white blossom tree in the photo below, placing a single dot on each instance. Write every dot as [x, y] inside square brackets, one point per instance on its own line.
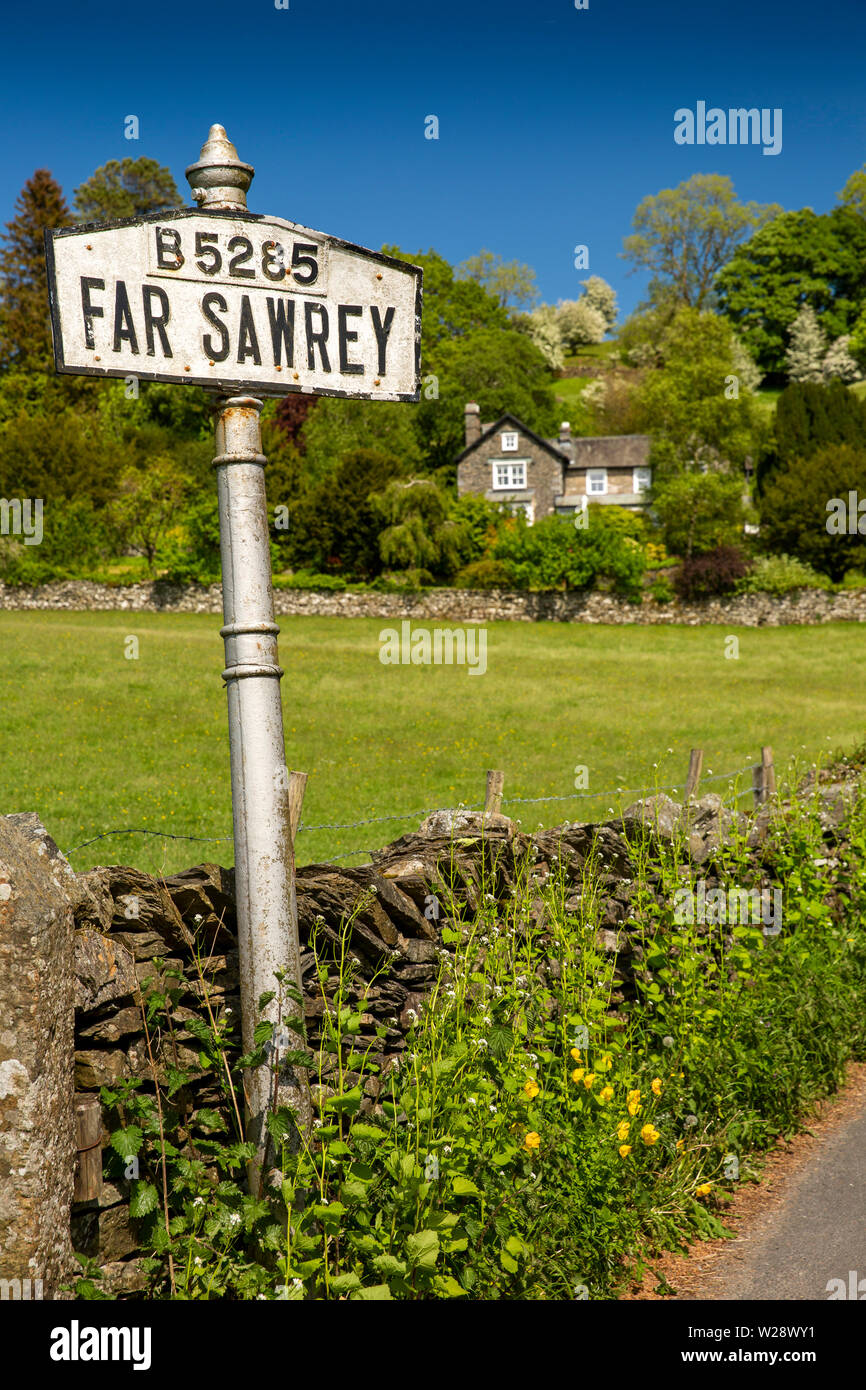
[580, 323]
[602, 297]
[807, 347]
[840, 363]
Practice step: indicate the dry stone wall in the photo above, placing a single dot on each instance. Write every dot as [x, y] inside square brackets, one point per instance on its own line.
[803, 606]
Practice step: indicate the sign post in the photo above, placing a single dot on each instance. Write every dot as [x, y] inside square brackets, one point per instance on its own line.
[247, 306]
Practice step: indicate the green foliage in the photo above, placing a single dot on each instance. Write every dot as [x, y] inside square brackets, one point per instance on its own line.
[684, 236]
[781, 574]
[540, 1130]
[809, 416]
[509, 282]
[147, 505]
[798, 258]
[75, 538]
[25, 331]
[688, 404]
[126, 188]
[59, 457]
[795, 508]
[699, 511]
[335, 525]
[555, 554]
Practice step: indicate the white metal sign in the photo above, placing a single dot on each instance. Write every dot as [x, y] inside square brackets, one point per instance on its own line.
[231, 300]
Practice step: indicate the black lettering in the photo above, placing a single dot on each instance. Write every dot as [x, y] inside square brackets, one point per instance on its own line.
[248, 343]
[281, 316]
[124, 328]
[168, 247]
[212, 301]
[89, 310]
[382, 330]
[314, 336]
[345, 337]
[156, 321]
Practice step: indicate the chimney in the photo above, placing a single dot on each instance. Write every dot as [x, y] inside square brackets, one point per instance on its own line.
[565, 433]
[472, 416]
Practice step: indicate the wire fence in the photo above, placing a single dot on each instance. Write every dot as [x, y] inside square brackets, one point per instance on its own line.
[417, 815]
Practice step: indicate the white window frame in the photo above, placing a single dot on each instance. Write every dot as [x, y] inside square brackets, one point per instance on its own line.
[647, 474]
[510, 442]
[596, 492]
[511, 484]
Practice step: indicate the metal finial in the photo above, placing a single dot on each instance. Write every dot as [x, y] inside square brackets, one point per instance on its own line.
[219, 179]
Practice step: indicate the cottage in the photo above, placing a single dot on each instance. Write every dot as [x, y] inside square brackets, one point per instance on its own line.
[508, 462]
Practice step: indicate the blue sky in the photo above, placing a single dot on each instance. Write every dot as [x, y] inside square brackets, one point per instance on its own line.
[553, 122]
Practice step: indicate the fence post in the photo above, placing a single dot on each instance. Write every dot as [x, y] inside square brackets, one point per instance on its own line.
[88, 1133]
[764, 778]
[493, 797]
[696, 762]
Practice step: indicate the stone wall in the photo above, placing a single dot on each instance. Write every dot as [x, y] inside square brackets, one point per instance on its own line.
[117, 921]
[805, 606]
[36, 1048]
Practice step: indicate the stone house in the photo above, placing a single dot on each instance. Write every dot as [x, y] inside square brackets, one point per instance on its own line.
[508, 462]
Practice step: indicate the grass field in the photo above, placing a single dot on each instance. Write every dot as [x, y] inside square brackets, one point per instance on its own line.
[94, 742]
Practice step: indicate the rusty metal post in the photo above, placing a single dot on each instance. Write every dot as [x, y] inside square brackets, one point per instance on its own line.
[264, 864]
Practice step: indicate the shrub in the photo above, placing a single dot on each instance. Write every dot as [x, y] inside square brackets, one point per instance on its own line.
[779, 574]
[556, 554]
[309, 579]
[716, 572]
[662, 589]
[483, 574]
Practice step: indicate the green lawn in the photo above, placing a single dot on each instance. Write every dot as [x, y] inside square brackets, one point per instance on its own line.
[93, 742]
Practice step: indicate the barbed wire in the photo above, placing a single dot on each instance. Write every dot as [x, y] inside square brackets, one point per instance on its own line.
[409, 815]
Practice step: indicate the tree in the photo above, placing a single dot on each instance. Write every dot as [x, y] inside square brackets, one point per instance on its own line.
[808, 416]
[699, 412]
[699, 512]
[840, 364]
[148, 505]
[338, 428]
[853, 195]
[453, 308]
[602, 297]
[419, 533]
[25, 328]
[126, 188]
[807, 347]
[800, 258]
[684, 235]
[795, 509]
[542, 327]
[580, 322]
[336, 526]
[510, 282]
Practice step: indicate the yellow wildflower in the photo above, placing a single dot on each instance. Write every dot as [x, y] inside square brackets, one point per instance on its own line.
[657, 1086]
[624, 1150]
[589, 1079]
[575, 1052]
[577, 1074]
[680, 1143]
[605, 1094]
[623, 1129]
[532, 1140]
[634, 1108]
[530, 1089]
[606, 1062]
[649, 1134]
[705, 1189]
[633, 1096]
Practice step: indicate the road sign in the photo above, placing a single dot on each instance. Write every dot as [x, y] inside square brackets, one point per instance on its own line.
[234, 301]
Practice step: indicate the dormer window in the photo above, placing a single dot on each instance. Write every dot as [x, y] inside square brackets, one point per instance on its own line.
[509, 441]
